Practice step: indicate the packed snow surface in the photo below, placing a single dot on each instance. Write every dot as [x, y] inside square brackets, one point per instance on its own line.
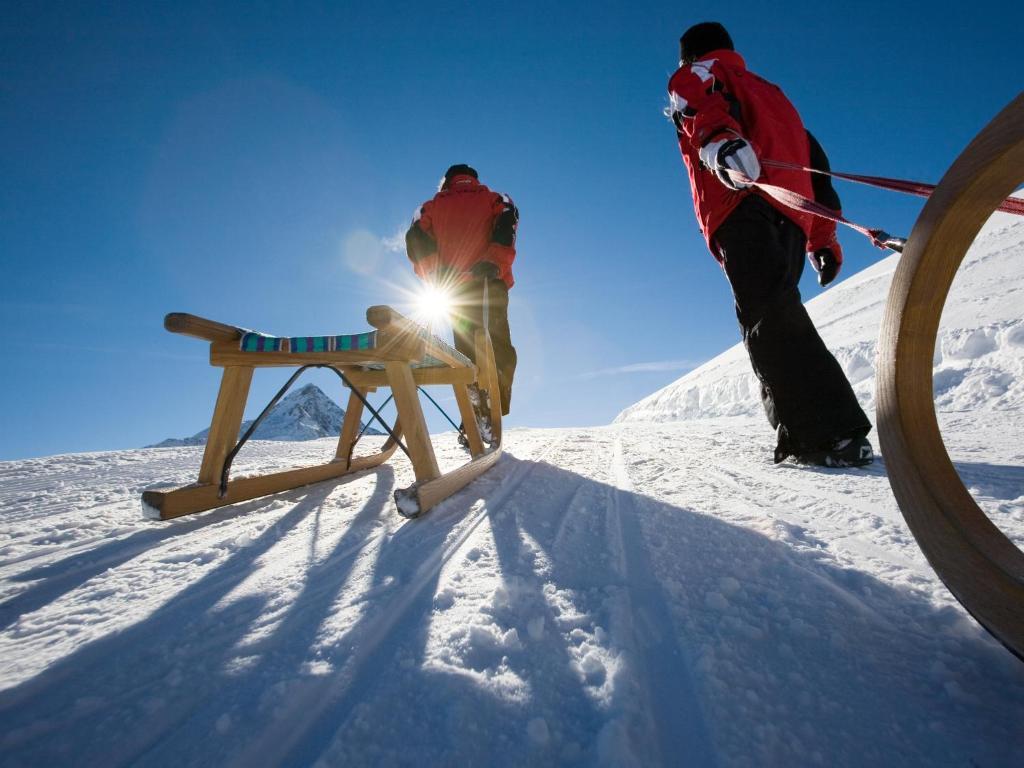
[646, 593]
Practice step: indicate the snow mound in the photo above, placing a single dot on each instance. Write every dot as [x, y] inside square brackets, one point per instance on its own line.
[979, 354]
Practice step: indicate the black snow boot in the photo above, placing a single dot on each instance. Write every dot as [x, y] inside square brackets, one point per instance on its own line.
[847, 452]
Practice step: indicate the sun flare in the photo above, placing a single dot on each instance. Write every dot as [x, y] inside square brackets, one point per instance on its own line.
[434, 304]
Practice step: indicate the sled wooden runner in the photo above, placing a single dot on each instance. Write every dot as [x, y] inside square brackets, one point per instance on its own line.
[976, 561]
[398, 354]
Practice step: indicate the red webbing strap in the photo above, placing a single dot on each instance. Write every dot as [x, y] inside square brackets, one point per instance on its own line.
[878, 237]
[1013, 205]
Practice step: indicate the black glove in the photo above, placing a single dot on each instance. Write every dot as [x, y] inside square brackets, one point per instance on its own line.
[826, 264]
[485, 270]
[418, 244]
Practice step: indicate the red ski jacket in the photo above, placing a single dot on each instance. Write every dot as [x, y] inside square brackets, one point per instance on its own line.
[717, 97]
[463, 225]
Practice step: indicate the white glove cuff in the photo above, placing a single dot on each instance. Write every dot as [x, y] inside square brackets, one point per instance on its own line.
[739, 156]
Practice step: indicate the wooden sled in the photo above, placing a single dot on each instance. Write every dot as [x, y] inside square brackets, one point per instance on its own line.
[976, 561]
[399, 354]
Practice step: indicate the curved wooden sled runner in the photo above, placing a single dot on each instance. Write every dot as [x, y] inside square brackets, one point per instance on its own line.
[399, 354]
[979, 565]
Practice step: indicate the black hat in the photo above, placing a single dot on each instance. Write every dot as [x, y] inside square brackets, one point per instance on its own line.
[701, 39]
[459, 169]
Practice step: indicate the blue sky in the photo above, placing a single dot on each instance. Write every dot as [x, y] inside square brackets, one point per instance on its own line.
[249, 162]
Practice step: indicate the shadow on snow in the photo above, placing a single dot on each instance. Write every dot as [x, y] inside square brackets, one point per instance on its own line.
[727, 646]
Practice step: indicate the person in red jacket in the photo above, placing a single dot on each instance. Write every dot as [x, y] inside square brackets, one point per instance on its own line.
[726, 118]
[464, 240]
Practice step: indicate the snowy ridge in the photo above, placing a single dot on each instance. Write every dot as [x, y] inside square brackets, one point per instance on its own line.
[979, 358]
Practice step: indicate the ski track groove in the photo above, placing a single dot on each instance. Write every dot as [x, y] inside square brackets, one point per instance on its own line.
[669, 692]
[573, 511]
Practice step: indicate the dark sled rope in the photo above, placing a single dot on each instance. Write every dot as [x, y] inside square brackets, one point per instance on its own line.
[225, 471]
[443, 413]
[366, 426]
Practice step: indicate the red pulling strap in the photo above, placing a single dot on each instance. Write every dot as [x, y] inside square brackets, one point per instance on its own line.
[1013, 205]
[879, 237]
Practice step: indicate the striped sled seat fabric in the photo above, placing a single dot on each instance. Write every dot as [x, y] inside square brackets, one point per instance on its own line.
[253, 341]
[259, 342]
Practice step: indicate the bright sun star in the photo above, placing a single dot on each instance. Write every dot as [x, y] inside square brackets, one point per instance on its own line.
[434, 304]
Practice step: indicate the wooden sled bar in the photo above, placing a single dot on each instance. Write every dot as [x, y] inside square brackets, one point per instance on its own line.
[976, 561]
[428, 491]
[398, 354]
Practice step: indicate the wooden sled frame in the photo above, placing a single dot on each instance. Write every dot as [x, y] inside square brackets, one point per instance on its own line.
[976, 561]
[400, 344]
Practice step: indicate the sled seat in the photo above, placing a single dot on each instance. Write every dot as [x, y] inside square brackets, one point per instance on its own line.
[253, 341]
[398, 354]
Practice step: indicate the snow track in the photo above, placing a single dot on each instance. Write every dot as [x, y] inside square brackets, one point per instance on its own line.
[662, 664]
[630, 595]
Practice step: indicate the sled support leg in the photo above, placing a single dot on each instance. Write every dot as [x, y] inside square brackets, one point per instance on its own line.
[426, 493]
[227, 420]
[417, 438]
[350, 427]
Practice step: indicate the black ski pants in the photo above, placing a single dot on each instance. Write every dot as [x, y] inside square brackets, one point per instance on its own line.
[468, 316]
[806, 395]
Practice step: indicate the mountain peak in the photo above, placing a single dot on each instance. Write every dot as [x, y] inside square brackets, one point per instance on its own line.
[305, 414]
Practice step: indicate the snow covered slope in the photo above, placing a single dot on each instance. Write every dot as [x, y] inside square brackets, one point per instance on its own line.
[615, 596]
[641, 594]
[979, 360]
